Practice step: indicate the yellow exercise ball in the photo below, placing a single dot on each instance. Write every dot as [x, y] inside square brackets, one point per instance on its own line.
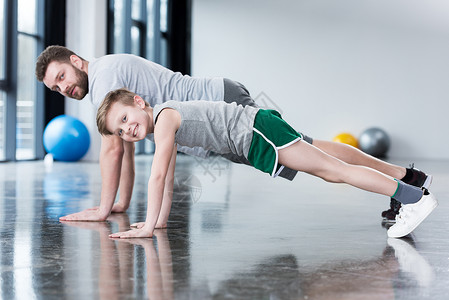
[346, 138]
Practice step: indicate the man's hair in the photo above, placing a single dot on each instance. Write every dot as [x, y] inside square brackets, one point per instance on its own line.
[124, 96]
[52, 53]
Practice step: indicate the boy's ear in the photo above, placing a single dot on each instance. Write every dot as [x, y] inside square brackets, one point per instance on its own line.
[139, 101]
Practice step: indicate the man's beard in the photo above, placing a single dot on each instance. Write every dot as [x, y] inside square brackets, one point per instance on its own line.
[82, 83]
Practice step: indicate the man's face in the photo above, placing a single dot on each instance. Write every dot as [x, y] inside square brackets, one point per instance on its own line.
[66, 79]
[128, 122]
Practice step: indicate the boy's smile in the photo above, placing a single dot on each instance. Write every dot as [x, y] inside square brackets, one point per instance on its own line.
[131, 123]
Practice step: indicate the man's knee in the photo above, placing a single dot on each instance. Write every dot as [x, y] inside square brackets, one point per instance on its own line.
[308, 139]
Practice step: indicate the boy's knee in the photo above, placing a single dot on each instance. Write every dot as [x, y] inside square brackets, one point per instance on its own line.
[332, 175]
[332, 178]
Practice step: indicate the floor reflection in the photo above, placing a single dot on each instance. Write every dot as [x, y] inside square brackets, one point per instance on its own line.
[413, 265]
[398, 267]
[380, 278]
[115, 265]
[218, 245]
[117, 277]
[159, 266]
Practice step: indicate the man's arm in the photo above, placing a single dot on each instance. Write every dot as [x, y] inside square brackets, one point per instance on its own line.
[127, 176]
[111, 155]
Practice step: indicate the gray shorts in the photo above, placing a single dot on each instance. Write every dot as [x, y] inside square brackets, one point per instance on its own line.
[236, 92]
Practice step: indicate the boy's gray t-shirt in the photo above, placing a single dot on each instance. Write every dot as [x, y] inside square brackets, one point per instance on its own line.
[153, 82]
[217, 126]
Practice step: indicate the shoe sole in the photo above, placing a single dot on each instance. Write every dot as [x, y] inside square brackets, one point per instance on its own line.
[388, 221]
[428, 181]
[417, 223]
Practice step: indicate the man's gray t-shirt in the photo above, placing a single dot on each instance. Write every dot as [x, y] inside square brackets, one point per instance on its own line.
[153, 82]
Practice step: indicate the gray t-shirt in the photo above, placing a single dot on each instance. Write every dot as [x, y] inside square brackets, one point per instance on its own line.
[153, 82]
[217, 126]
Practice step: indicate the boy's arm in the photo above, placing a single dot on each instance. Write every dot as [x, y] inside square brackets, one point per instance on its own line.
[164, 137]
[168, 195]
[168, 192]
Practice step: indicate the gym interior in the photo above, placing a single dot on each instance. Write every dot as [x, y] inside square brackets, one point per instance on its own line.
[346, 69]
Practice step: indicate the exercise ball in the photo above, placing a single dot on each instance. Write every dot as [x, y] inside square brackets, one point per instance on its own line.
[374, 141]
[66, 138]
[346, 138]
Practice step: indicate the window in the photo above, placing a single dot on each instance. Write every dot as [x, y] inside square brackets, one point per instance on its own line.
[3, 82]
[2, 125]
[158, 30]
[21, 101]
[26, 85]
[136, 27]
[128, 25]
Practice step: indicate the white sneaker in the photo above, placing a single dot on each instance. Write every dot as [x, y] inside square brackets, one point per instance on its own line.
[411, 215]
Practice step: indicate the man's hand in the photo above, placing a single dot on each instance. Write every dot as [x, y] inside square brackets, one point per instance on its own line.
[90, 214]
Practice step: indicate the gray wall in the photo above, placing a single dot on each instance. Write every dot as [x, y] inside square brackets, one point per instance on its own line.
[337, 66]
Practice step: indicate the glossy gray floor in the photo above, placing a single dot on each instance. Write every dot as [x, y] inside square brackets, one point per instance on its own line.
[234, 233]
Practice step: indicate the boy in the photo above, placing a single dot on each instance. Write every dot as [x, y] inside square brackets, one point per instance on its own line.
[260, 135]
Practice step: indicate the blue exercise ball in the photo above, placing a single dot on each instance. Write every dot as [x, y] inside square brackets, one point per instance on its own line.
[66, 138]
[374, 141]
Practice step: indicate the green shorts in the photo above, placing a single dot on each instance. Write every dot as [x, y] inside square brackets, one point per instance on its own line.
[270, 133]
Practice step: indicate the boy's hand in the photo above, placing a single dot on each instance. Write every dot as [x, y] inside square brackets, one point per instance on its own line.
[139, 225]
[118, 208]
[90, 214]
[133, 233]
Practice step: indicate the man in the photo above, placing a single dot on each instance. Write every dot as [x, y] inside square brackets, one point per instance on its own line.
[63, 71]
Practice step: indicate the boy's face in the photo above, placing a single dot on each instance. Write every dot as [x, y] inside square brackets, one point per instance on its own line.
[66, 79]
[131, 123]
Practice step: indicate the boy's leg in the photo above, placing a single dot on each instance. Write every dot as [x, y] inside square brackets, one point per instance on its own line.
[413, 177]
[307, 158]
[418, 204]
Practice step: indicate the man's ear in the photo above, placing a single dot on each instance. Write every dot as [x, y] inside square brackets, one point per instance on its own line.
[139, 101]
[76, 62]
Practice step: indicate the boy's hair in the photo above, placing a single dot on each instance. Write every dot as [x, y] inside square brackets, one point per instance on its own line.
[52, 53]
[124, 96]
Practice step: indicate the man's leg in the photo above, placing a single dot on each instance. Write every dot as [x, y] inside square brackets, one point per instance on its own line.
[355, 156]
